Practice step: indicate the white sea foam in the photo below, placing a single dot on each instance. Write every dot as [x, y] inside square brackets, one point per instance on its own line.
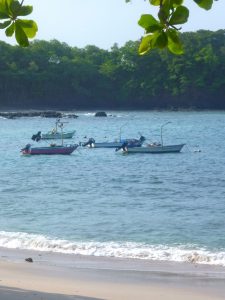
[89, 114]
[19, 240]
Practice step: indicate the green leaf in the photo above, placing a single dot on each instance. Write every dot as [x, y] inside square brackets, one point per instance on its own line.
[10, 30]
[21, 36]
[8, 4]
[162, 40]
[14, 8]
[149, 23]
[155, 2]
[158, 40]
[29, 27]
[25, 10]
[4, 13]
[145, 44]
[3, 16]
[206, 4]
[177, 3]
[167, 5]
[5, 24]
[165, 11]
[158, 2]
[174, 43]
[180, 16]
[163, 15]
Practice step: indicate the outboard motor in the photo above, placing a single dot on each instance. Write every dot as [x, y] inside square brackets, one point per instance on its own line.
[142, 139]
[90, 143]
[26, 149]
[123, 147]
[36, 137]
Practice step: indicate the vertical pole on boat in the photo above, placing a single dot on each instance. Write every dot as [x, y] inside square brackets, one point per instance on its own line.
[56, 125]
[162, 131]
[61, 127]
[121, 130]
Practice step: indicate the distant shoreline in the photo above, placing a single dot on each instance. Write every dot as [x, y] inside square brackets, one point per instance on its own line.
[72, 113]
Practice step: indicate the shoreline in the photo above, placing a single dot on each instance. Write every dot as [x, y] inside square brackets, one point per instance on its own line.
[60, 276]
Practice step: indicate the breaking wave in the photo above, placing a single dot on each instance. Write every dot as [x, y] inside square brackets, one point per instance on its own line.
[19, 240]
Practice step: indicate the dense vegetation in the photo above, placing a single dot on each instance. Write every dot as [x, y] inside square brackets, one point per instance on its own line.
[55, 75]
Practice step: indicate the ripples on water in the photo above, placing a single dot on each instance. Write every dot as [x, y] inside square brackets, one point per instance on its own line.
[97, 196]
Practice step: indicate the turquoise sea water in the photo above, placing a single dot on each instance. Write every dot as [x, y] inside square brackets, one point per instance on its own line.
[98, 202]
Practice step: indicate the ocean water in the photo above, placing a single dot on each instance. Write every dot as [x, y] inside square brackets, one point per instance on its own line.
[98, 202]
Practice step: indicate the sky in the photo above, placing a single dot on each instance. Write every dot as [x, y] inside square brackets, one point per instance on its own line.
[105, 22]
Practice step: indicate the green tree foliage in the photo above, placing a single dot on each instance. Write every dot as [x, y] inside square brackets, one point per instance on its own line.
[55, 75]
[163, 32]
[11, 12]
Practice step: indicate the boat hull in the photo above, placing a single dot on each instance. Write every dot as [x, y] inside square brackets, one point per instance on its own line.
[51, 150]
[155, 149]
[106, 145]
[57, 135]
[113, 145]
[130, 143]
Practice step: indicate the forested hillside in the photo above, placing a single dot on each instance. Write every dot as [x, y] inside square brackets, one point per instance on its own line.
[54, 75]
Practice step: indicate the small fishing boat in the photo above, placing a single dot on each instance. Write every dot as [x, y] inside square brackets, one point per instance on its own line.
[116, 144]
[51, 135]
[153, 149]
[48, 150]
[56, 134]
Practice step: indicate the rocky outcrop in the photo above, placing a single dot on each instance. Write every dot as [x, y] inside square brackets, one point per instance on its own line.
[101, 114]
[43, 114]
[29, 259]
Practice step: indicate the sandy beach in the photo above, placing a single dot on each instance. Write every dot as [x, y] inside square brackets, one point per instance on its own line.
[62, 277]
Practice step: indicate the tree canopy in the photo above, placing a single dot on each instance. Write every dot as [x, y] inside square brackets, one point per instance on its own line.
[55, 75]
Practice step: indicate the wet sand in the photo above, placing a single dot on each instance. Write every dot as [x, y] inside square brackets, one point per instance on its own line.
[64, 277]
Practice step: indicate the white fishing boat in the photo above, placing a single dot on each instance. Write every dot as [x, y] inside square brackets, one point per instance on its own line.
[154, 149]
[51, 149]
[55, 133]
[51, 135]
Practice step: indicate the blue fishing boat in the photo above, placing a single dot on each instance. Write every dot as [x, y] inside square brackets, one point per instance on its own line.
[91, 143]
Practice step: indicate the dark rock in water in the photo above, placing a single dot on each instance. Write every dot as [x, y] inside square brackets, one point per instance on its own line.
[70, 115]
[51, 114]
[29, 259]
[101, 114]
[43, 114]
[46, 114]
